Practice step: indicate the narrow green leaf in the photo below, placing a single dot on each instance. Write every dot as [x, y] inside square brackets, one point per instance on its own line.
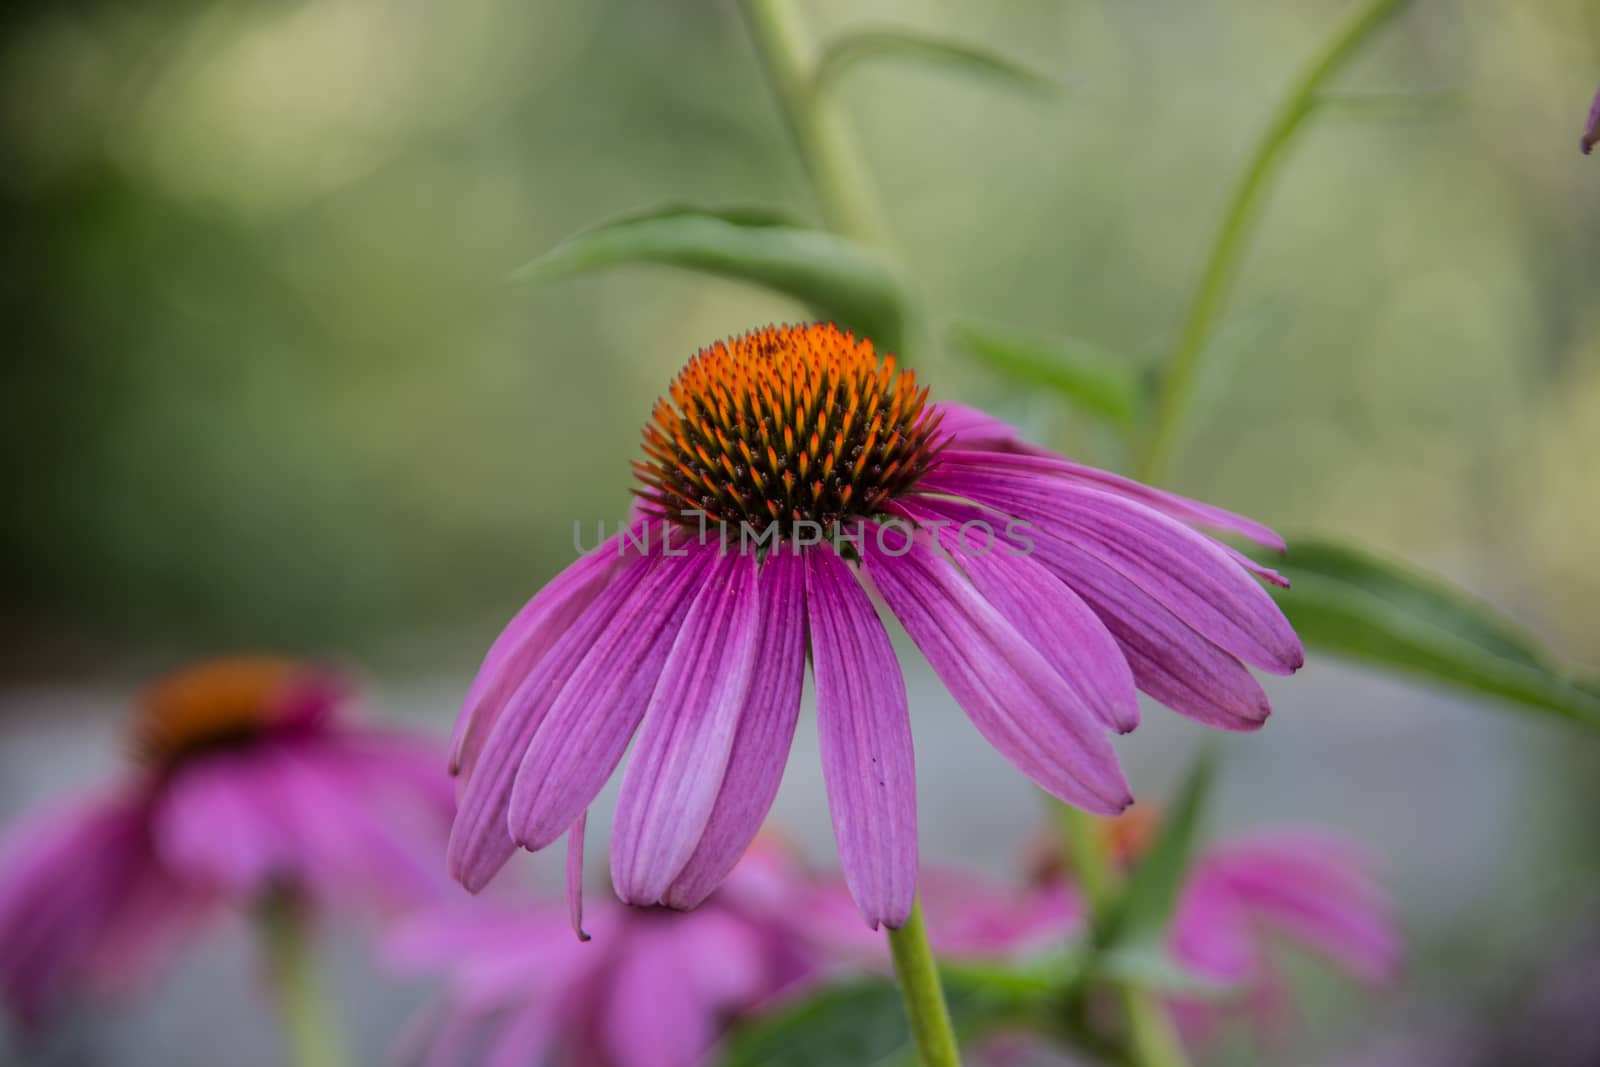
[1352, 604]
[847, 51]
[1140, 921]
[1092, 381]
[863, 1023]
[839, 279]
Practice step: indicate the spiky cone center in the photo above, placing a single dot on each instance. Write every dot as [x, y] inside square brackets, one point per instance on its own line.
[784, 425]
[220, 703]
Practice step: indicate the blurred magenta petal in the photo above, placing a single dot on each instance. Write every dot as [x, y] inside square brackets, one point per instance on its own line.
[1591, 129]
[655, 988]
[865, 733]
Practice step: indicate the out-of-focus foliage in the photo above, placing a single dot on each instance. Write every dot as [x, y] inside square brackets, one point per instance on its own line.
[1382, 613]
[839, 280]
[268, 384]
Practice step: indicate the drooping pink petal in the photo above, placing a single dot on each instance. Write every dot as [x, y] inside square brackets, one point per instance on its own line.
[1211, 934]
[575, 875]
[681, 755]
[1186, 572]
[1169, 661]
[865, 733]
[1057, 622]
[525, 640]
[64, 875]
[765, 735]
[480, 842]
[1010, 691]
[980, 457]
[582, 737]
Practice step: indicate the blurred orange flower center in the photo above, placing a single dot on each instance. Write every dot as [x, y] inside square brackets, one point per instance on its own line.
[211, 705]
[786, 424]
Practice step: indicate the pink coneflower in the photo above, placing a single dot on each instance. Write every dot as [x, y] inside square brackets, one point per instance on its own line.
[656, 988]
[790, 471]
[249, 783]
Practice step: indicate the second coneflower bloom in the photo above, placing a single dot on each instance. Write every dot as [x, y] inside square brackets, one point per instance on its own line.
[788, 472]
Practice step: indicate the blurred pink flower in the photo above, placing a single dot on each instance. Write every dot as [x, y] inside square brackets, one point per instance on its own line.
[778, 440]
[653, 988]
[1308, 885]
[249, 780]
[1311, 886]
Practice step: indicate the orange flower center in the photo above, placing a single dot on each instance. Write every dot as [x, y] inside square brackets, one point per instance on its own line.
[214, 704]
[783, 425]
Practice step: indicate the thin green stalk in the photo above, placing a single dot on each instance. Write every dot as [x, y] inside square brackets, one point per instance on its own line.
[819, 131]
[310, 1037]
[1151, 1039]
[1084, 848]
[918, 977]
[1222, 266]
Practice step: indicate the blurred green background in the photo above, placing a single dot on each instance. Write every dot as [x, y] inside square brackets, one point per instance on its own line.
[266, 384]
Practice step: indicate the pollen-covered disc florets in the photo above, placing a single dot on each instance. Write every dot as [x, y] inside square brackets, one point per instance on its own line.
[225, 702]
[786, 424]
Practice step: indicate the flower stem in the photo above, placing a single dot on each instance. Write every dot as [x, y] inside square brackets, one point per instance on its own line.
[310, 1037]
[918, 976]
[1222, 266]
[1150, 1037]
[820, 134]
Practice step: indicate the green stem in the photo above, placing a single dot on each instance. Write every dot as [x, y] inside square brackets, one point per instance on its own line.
[310, 1036]
[1151, 1039]
[1222, 267]
[918, 977]
[819, 131]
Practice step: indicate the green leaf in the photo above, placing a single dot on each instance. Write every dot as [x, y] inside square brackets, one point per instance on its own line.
[847, 51]
[840, 280]
[1355, 605]
[1140, 920]
[1092, 381]
[863, 1023]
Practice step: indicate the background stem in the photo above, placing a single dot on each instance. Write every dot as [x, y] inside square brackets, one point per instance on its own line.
[1222, 265]
[1150, 1037]
[824, 142]
[310, 1037]
[918, 978]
